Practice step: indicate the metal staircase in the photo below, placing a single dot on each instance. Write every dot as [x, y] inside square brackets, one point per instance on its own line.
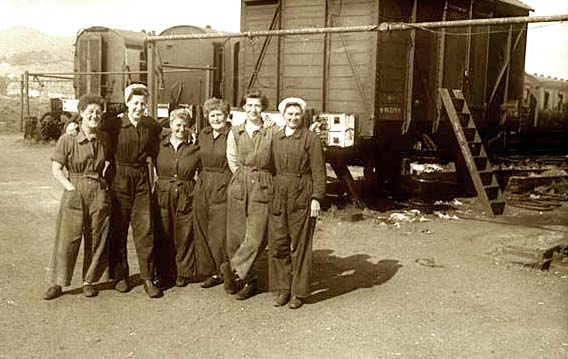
[456, 110]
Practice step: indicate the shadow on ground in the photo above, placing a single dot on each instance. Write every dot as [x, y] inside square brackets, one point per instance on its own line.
[334, 276]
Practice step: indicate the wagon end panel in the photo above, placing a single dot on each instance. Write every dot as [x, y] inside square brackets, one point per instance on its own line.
[350, 83]
[392, 75]
[257, 68]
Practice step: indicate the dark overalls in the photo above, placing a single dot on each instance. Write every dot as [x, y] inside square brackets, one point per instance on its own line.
[83, 213]
[131, 197]
[300, 177]
[210, 195]
[179, 254]
[248, 199]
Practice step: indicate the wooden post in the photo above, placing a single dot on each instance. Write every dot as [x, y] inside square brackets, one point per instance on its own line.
[152, 84]
[440, 78]
[279, 55]
[27, 92]
[508, 62]
[21, 103]
[410, 72]
[468, 44]
[326, 49]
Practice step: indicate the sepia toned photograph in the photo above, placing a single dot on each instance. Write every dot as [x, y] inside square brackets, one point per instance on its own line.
[284, 179]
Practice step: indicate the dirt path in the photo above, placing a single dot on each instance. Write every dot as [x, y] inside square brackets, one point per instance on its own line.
[425, 290]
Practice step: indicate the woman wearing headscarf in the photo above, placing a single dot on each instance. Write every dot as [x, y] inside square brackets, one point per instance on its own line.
[299, 186]
[210, 198]
[136, 138]
[85, 205]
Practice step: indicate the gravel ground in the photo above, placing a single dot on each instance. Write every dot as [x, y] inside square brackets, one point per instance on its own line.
[430, 289]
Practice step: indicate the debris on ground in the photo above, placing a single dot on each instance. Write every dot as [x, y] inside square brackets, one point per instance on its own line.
[420, 168]
[535, 252]
[442, 215]
[541, 198]
[428, 262]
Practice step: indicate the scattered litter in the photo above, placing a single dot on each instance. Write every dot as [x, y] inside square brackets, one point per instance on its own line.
[418, 168]
[428, 262]
[426, 231]
[445, 215]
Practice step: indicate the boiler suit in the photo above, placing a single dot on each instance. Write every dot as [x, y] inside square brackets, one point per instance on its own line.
[248, 199]
[83, 213]
[131, 197]
[178, 253]
[300, 177]
[210, 195]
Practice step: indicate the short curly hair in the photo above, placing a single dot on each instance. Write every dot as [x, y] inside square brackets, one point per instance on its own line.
[216, 104]
[182, 114]
[256, 94]
[88, 99]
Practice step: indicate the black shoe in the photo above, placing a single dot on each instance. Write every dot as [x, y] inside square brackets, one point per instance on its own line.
[122, 286]
[152, 290]
[229, 278]
[182, 281]
[247, 291]
[53, 292]
[281, 299]
[295, 303]
[211, 282]
[89, 290]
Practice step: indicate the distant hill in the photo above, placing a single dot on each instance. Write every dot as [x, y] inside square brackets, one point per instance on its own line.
[24, 49]
[22, 46]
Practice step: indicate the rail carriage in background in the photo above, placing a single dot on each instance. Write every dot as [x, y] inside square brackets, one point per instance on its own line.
[120, 57]
[379, 89]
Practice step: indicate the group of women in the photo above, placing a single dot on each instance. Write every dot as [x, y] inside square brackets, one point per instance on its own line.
[201, 208]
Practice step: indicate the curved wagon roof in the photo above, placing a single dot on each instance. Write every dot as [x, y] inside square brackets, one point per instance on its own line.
[129, 37]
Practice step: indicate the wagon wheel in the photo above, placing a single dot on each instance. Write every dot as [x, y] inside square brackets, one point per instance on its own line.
[48, 127]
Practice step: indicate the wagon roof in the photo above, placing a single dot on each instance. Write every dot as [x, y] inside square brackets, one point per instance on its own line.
[128, 36]
[517, 3]
[190, 29]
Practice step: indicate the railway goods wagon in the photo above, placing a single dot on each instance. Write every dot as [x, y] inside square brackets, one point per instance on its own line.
[196, 68]
[119, 56]
[389, 80]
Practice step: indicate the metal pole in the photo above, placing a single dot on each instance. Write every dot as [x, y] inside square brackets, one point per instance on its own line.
[383, 27]
[171, 66]
[87, 73]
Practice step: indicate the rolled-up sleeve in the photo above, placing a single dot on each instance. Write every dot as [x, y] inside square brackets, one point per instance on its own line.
[61, 150]
[317, 167]
[232, 152]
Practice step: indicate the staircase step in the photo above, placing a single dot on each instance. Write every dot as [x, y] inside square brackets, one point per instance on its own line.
[475, 148]
[458, 104]
[464, 119]
[486, 177]
[498, 207]
[480, 162]
[469, 134]
[492, 192]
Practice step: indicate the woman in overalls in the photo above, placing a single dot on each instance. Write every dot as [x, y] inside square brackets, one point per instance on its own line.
[85, 205]
[179, 254]
[210, 198]
[299, 186]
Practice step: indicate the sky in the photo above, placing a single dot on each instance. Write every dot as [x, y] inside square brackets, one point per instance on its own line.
[547, 46]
